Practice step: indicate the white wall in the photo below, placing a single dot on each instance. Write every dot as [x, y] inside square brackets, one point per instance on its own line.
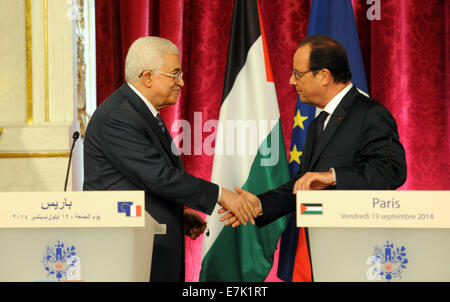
[34, 145]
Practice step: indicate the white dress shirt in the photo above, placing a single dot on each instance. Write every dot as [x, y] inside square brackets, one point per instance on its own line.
[332, 105]
[144, 99]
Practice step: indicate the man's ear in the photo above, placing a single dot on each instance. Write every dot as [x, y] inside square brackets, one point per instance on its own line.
[325, 77]
[147, 79]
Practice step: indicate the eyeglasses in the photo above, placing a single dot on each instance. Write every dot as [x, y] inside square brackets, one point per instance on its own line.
[176, 77]
[297, 75]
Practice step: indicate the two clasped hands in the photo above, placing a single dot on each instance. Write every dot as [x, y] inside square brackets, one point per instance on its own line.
[249, 205]
[242, 207]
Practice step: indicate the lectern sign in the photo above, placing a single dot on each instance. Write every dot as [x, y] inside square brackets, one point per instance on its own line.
[72, 209]
[373, 209]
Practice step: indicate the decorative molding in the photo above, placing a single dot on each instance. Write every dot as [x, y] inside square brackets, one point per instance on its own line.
[81, 41]
[34, 155]
[29, 55]
[46, 71]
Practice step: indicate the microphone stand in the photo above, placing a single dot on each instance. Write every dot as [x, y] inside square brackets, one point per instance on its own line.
[75, 136]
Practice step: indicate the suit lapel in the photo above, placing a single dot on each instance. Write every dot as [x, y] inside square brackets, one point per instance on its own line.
[151, 121]
[335, 121]
[307, 152]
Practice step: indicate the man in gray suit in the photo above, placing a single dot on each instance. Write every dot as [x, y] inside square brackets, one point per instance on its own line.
[128, 147]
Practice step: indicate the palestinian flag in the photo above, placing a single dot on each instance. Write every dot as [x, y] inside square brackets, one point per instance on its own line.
[253, 157]
[311, 208]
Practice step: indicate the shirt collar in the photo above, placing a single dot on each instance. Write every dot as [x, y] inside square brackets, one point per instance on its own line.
[332, 105]
[144, 99]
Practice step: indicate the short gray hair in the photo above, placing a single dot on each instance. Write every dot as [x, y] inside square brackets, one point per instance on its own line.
[146, 53]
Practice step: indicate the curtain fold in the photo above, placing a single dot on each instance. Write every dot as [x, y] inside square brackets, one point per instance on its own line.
[409, 66]
[108, 47]
[405, 58]
[131, 26]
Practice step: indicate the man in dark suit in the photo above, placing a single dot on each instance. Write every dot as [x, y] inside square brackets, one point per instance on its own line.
[352, 145]
[128, 147]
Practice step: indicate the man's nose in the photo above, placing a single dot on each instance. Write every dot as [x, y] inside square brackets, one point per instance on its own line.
[292, 80]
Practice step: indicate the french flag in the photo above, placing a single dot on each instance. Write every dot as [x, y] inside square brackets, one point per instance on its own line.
[129, 209]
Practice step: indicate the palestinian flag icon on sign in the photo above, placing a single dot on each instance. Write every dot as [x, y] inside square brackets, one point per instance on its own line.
[311, 208]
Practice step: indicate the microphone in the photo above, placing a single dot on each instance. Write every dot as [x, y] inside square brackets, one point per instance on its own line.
[75, 136]
[389, 167]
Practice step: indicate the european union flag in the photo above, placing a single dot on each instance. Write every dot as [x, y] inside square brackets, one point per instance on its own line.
[124, 207]
[303, 116]
[334, 18]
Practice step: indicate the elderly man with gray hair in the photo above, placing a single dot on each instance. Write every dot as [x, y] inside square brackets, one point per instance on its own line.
[128, 147]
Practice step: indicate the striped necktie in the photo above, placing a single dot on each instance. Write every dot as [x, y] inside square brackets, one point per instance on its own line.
[161, 123]
[164, 129]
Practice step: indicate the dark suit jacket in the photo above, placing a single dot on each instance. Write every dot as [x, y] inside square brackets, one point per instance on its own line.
[125, 149]
[359, 141]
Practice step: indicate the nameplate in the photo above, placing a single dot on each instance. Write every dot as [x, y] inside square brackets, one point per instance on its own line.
[373, 209]
[88, 209]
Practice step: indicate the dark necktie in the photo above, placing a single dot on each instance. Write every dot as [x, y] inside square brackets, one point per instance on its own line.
[161, 123]
[317, 129]
[164, 128]
[168, 136]
[320, 123]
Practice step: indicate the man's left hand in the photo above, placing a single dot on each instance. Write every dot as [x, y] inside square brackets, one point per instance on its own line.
[314, 181]
[194, 225]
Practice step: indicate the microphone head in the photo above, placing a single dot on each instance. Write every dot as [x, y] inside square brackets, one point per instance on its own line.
[76, 135]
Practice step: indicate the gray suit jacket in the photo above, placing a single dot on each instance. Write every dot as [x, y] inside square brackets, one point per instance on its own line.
[125, 149]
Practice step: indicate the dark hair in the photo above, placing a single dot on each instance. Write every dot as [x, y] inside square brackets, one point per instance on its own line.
[330, 54]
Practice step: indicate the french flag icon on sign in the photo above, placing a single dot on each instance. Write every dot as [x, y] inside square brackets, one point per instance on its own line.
[129, 209]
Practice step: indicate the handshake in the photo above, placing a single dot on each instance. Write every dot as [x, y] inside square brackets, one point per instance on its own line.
[240, 208]
[243, 206]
